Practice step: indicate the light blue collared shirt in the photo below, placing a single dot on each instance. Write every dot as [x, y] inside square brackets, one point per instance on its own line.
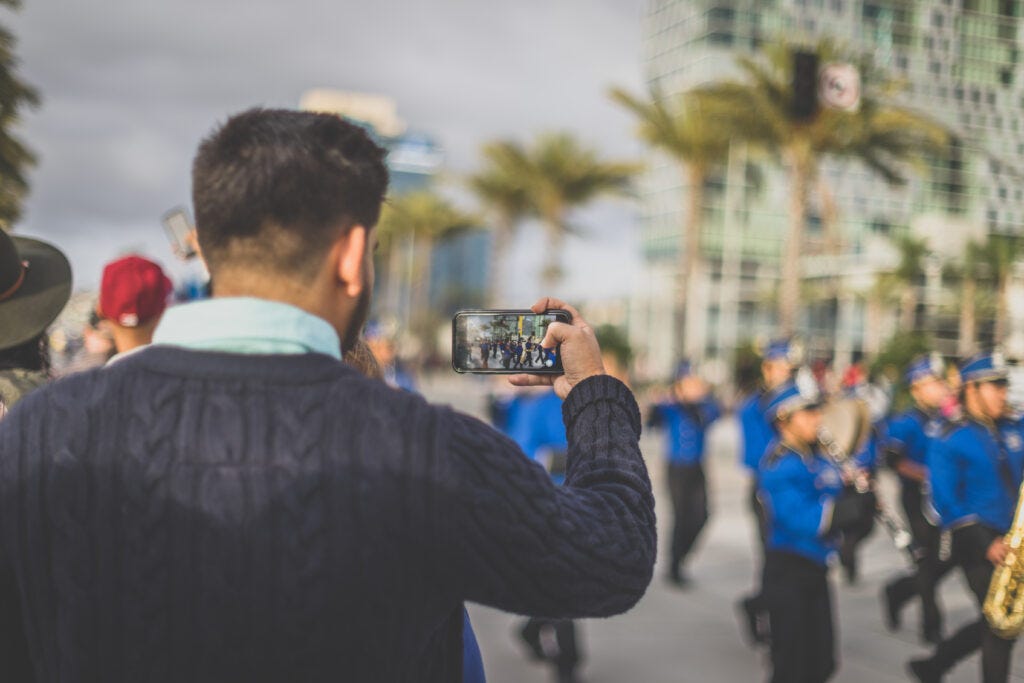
[246, 325]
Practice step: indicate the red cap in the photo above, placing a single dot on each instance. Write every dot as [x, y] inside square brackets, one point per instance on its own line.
[134, 291]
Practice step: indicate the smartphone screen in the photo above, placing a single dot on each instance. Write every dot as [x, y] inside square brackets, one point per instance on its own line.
[179, 230]
[505, 342]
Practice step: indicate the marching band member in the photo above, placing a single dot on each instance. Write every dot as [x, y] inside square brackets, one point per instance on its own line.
[686, 418]
[778, 360]
[908, 437]
[807, 508]
[975, 474]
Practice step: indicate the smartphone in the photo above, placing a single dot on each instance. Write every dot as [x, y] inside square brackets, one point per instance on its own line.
[505, 342]
[179, 231]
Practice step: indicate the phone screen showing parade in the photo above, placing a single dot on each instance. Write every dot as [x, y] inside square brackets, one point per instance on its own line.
[505, 342]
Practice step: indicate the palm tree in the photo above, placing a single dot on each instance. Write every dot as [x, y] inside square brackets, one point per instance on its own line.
[687, 129]
[501, 191]
[557, 174]
[419, 219]
[1000, 253]
[15, 157]
[880, 135]
[968, 271]
[909, 273]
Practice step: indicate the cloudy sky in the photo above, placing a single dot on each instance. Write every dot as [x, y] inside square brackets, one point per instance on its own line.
[130, 86]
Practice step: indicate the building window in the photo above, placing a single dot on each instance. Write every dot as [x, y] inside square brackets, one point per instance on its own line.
[938, 19]
[934, 67]
[990, 97]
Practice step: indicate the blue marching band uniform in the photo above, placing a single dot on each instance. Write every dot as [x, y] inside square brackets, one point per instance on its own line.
[975, 469]
[685, 423]
[807, 508]
[757, 433]
[958, 476]
[908, 437]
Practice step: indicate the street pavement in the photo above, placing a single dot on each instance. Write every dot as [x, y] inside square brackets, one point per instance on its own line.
[675, 635]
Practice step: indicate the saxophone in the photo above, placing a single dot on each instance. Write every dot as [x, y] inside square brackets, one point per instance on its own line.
[1004, 602]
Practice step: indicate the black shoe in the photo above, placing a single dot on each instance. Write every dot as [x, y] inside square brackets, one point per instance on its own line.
[890, 610]
[848, 559]
[678, 579]
[924, 671]
[533, 646]
[568, 677]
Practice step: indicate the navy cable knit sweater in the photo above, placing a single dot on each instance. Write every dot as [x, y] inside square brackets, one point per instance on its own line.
[194, 516]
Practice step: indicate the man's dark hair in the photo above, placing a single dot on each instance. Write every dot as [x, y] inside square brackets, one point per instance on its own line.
[272, 188]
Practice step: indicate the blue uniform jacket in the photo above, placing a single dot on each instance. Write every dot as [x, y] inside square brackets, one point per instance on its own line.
[910, 433]
[755, 430]
[799, 494]
[685, 425]
[535, 423]
[975, 473]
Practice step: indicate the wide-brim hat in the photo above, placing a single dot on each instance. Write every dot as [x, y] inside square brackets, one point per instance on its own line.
[35, 285]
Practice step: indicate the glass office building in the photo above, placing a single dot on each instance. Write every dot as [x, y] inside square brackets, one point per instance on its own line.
[960, 61]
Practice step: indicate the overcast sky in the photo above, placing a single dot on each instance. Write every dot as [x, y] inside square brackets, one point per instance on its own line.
[130, 86]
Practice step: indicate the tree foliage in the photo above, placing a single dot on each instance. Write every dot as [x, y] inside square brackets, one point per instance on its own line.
[886, 137]
[694, 134]
[546, 180]
[15, 157]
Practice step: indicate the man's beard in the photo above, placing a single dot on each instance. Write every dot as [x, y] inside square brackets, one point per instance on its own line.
[355, 328]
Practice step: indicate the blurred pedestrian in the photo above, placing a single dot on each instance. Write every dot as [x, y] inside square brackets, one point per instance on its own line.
[909, 436]
[233, 502]
[779, 358]
[807, 508]
[133, 297]
[975, 471]
[685, 416]
[35, 285]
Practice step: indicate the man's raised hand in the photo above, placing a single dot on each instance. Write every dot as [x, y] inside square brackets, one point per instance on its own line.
[581, 354]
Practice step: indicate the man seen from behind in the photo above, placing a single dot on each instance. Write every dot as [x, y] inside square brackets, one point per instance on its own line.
[235, 503]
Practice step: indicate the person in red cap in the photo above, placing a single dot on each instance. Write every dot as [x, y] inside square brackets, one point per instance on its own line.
[133, 296]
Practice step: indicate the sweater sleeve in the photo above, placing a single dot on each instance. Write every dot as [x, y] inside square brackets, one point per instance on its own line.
[522, 544]
[15, 664]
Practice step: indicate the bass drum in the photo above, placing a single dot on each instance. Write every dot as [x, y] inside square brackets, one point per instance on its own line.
[845, 427]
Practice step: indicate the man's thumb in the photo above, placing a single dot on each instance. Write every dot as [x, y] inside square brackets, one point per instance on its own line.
[556, 334]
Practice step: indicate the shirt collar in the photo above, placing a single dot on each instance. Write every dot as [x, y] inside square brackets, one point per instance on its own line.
[246, 325]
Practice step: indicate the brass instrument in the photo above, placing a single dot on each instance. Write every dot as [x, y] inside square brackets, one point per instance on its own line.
[845, 428]
[1004, 602]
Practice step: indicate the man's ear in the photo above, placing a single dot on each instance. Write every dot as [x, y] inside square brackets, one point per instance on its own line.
[352, 260]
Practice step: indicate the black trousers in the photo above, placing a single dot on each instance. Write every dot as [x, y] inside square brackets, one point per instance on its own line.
[754, 604]
[930, 567]
[688, 489]
[799, 602]
[568, 655]
[995, 651]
